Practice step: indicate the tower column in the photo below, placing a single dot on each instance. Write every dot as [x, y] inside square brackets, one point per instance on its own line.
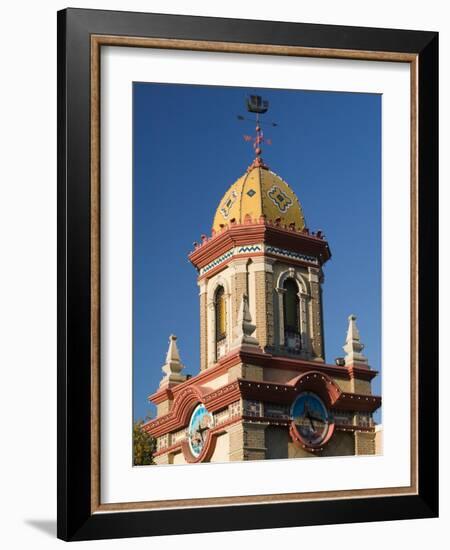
[238, 288]
[262, 274]
[316, 315]
[210, 334]
[203, 326]
[305, 332]
[280, 293]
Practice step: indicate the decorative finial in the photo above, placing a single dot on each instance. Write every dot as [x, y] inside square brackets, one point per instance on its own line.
[244, 327]
[256, 104]
[353, 346]
[173, 366]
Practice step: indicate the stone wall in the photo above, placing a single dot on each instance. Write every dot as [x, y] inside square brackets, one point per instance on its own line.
[247, 441]
[361, 386]
[365, 443]
[277, 442]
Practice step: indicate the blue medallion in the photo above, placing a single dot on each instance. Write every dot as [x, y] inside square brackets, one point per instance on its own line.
[311, 418]
[201, 421]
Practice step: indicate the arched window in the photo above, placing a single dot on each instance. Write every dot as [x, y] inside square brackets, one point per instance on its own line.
[291, 312]
[221, 314]
[291, 307]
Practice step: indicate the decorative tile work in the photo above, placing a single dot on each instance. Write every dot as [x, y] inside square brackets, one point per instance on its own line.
[279, 198]
[221, 416]
[217, 261]
[245, 249]
[228, 203]
[290, 254]
[235, 409]
[178, 436]
[276, 410]
[162, 442]
[343, 418]
[251, 192]
[229, 254]
[364, 420]
[252, 408]
[349, 418]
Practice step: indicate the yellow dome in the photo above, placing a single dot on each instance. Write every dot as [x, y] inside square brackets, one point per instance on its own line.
[259, 192]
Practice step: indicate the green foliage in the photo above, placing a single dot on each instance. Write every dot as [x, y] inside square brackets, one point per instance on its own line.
[144, 445]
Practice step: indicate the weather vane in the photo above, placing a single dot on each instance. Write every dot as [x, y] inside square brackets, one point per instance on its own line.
[256, 104]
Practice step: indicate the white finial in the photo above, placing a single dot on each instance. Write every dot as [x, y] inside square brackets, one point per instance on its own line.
[173, 354]
[353, 346]
[173, 365]
[244, 327]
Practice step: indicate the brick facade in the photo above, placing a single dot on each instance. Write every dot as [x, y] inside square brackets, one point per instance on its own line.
[365, 443]
[317, 324]
[239, 286]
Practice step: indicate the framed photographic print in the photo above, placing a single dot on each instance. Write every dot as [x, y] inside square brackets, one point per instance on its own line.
[247, 274]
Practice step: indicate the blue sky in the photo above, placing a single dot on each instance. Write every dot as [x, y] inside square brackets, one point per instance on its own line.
[188, 148]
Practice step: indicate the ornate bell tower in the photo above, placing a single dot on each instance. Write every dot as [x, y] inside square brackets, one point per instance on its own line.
[264, 389]
[260, 247]
[266, 253]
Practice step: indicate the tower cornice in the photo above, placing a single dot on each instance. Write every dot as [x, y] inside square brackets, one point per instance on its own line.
[260, 231]
[247, 355]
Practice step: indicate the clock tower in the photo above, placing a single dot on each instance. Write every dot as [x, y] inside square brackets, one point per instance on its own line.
[264, 389]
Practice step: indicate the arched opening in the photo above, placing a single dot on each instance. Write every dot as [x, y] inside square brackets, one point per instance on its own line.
[291, 311]
[221, 321]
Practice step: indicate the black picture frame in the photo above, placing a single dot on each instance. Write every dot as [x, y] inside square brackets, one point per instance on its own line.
[75, 518]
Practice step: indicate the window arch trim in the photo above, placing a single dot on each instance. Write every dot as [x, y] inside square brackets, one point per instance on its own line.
[214, 352]
[220, 306]
[299, 339]
[296, 277]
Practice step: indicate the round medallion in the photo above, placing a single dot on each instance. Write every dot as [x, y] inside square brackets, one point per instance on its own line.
[199, 424]
[311, 420]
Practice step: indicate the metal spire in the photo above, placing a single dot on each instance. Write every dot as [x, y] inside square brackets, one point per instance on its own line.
[256, 104]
